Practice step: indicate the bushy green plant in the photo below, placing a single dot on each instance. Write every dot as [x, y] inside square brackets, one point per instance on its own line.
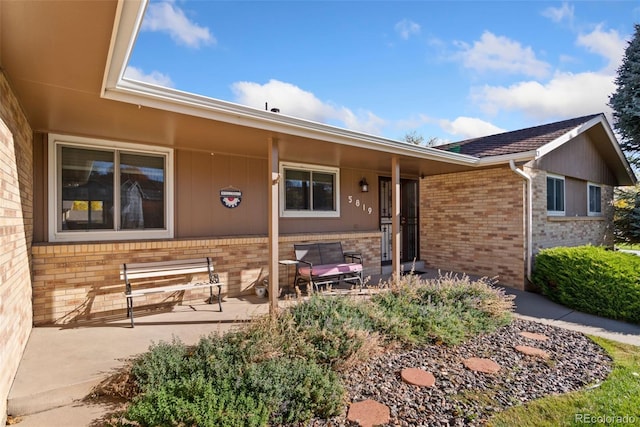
[337, 327]
[448, 309]
[282, 369]
[592, 280]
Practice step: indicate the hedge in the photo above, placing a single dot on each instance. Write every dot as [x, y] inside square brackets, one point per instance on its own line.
[592, 280]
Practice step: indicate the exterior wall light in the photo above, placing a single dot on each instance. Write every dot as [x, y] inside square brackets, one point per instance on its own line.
[364, 187]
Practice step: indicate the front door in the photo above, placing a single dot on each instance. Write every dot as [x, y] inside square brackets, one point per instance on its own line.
[409, 232]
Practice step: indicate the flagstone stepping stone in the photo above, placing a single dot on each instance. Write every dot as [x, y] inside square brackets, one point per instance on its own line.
[369, 413]
[532, 351]
[417, 376]
[534, 336]
[479, 364]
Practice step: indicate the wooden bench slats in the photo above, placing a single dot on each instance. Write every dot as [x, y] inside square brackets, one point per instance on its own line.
[175, 288]
[168, 269]
[141, 272]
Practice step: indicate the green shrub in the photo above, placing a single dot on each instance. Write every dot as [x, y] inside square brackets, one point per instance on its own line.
[337, 327]
[592, 280]
[282, 369]
[446, 310]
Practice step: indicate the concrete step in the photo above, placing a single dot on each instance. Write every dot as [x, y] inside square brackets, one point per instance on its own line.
[54, 398]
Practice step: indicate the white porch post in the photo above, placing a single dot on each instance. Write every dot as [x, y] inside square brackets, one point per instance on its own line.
[274, 232]
[395, 215]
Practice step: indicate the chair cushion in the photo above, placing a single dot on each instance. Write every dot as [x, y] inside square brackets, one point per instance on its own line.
[331, 269]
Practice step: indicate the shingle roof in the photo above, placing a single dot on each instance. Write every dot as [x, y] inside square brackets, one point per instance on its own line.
[517, 141]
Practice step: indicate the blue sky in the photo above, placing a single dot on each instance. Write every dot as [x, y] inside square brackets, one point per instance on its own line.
[440, 69]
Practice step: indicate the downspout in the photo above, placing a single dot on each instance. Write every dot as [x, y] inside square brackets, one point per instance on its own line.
[529, 238]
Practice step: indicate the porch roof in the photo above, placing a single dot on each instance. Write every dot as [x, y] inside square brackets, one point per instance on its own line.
[67, 68]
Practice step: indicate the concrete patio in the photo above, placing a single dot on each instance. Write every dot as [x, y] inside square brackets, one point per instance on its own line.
[62, 364]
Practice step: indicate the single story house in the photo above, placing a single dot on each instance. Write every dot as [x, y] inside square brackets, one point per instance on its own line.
[97, 170]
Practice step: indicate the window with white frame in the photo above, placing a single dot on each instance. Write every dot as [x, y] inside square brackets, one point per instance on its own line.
[309, 191]
[555, 195]
[594, 199]
[104, 190]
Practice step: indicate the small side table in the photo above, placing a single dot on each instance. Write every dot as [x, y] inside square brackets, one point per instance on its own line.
[288, 263]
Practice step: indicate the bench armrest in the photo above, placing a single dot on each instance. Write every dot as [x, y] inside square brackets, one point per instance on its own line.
[353, 256]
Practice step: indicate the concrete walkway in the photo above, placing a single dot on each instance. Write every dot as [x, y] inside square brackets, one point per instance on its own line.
[61, 365]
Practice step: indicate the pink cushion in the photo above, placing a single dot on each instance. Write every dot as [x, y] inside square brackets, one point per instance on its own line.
[331, 269]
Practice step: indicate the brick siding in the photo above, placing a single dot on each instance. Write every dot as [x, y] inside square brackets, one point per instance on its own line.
[473, 223]
[551, 231]
[76, 282]
[16, 231]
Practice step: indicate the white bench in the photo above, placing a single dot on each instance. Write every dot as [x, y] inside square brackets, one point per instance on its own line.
[168, 269]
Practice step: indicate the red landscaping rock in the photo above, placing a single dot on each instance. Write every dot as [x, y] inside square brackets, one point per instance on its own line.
[369, 413]
[478, 364]
[419, 377]
[532, 351]
[534, 336]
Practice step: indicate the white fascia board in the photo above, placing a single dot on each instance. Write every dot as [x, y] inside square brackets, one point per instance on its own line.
[600, 119]
[524, 156]
[116, 87]
[550, 146]
[148, 95]
[127, 21]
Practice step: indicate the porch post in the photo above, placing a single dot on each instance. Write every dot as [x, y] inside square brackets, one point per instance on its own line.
[274, 232]
[395, 216]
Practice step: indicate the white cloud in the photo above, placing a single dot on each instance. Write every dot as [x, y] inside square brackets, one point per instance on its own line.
[167, 17]
[607, 44]
[559, 14]
[407, 28]
[566, 95]
[500, 54]
[469, 127]
[294, 101]
[155, 77]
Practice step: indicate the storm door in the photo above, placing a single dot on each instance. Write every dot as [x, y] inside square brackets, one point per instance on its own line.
[409, 232]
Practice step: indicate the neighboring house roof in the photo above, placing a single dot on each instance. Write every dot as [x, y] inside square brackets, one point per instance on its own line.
[518, 141]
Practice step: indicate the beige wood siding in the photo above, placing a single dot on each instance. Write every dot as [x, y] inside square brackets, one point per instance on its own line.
[199, 212]
[199, 179]
[576, 197]
[580, 159]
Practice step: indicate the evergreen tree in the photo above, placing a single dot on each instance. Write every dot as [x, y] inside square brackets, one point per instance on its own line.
[625, 101]
[627, 215]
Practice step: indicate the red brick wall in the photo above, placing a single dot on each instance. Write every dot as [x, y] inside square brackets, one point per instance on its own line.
[472, 222]
[16, 231]
[77, 282]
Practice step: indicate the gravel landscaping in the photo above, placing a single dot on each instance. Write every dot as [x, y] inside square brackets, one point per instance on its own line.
[463, 397]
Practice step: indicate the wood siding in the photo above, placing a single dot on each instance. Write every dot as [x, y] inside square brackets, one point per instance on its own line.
[579, 159]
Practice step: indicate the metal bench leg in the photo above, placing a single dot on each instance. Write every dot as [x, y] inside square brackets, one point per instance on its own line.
[219, 296]
[130, 310]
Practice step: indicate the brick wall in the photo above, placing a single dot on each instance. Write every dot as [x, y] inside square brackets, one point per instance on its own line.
[472, 222]
[550, 231]
[79, 282]
[16, 231]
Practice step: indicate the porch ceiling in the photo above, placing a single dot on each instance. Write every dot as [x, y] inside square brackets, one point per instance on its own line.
[54, 55]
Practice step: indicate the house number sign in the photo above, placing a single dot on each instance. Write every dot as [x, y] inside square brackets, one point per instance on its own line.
[360, 204]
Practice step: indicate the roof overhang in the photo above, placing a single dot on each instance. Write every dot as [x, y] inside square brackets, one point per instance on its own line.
[67, 69]
[117, 87]
[600, 130]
